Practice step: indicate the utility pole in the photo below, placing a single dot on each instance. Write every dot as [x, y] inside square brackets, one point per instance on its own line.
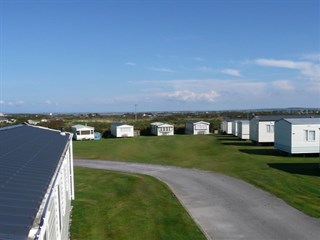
[135, 112]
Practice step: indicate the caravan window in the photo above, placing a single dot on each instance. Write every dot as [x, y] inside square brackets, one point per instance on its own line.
[310, 135]
[270, 128]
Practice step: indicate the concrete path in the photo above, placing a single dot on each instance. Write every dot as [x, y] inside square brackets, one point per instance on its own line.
[224, 207]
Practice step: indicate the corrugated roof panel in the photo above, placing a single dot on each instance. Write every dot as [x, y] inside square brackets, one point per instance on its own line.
[29, 157]
[278, 117]
[303, 120]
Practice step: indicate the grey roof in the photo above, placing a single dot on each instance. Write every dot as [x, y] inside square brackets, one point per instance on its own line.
[79, 126]
[29, 157]
[196, 121]
[243, 121]
[278, 117]
[120, 124]
[303, 120]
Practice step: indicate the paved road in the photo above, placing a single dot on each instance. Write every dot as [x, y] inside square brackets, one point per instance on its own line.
[224, 207]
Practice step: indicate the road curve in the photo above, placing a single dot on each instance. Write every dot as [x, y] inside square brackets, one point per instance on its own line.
[225, 207]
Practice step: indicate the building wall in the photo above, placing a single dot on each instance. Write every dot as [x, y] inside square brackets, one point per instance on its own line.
[57, 204]
[266, 132]
[254, 130]
[229, 127]
[292, 138]
[162, 130]
[301, 143]
[198, 128]
[283, 136]
[226, 127]
[243, 130]
[122, 130]
[235, 128]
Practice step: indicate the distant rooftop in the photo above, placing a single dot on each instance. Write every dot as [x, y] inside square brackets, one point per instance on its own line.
[79, 126]
[196, 121]
[278, 117]
[120, 124]
[303, 120]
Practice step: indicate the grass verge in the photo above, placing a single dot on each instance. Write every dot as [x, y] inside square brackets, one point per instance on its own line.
[294, 179]
[111, 205]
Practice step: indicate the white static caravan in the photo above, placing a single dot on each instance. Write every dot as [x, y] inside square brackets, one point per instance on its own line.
[298, 135]
[197, 127]
[122, 130]
[81, 132]
[162, 129]
[243, 129]
[262, 128]
[37, 183]
[226, 126]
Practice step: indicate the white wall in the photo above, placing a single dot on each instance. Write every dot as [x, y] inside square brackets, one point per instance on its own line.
[57, 203]
[291, 138]
[243, 130]
[226, 127]
[162, 129]
[122, 130]
[197, 128]
[229, 127]
[266, 132]
[261, 131]
[299, 142]
[235, 127]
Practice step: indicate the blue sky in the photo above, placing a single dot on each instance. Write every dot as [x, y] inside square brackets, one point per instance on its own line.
[107, 56]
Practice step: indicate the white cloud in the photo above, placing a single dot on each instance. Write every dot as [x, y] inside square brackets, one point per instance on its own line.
[232, 72]
[312, 57]
[131, 63]
[283, 85]
[157, 69]
[205, 69]
[2, 102]
[190, 96]
[307, 69]
[49, 102]
[16, 103]
[199, 59]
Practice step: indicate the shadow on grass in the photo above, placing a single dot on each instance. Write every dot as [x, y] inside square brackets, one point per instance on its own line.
[227, 138]
[310, 169]
[238, 143]
[263, 151]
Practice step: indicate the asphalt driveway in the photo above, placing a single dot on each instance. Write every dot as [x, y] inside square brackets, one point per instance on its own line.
[225, 207]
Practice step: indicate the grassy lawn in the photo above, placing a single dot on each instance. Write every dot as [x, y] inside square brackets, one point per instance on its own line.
[111, 205]
[294, 179]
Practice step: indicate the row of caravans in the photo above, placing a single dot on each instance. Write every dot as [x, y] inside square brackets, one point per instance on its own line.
[291, 134]
[82, 132]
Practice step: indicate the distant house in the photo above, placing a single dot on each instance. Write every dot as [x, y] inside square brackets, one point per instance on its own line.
[243, 129]
[32, 122]
[82, 132]
[36, 182]
[262, 127]
[122, 130]
[161, 129]
[4, 120]
[297, 135]
[226, 126]
[197, 127]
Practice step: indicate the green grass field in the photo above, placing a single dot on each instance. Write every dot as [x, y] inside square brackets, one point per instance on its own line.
[294, 179]
[111, 205]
